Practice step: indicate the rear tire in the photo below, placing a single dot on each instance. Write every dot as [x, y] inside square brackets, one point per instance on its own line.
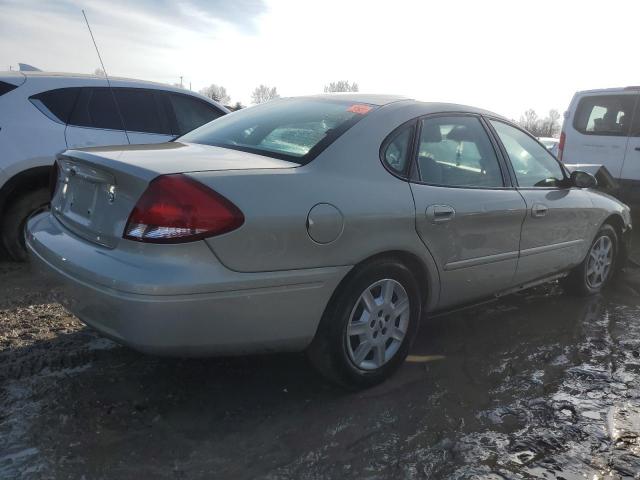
[15, 219]
[369, 325]
[599, 266]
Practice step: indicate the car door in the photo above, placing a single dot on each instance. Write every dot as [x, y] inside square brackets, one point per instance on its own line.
[467, 214]
[556, 227]
[95, 120]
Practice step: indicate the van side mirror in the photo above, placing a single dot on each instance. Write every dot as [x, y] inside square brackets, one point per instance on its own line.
[582, 179]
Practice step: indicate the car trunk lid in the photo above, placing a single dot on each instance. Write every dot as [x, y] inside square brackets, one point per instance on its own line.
[97, 188]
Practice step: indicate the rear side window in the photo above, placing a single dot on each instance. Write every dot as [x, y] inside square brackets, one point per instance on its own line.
[396, 151]
[141, 112]
[293, 129]
[191, 113]
[96, 108]
[605, 115]
[6, 88]
[56, 104]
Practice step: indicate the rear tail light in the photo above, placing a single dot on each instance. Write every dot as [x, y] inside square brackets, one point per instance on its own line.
[53, 179]
[176, 208]
[561, 145]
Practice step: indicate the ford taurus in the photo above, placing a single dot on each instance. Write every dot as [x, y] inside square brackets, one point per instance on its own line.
[333, 224]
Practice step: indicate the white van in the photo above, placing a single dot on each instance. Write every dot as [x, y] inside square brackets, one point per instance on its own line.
[42, 114]
[602, 127]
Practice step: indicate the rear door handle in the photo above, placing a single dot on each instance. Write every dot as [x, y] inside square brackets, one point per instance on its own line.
[637, 149]
[539, 210]
[440, 213]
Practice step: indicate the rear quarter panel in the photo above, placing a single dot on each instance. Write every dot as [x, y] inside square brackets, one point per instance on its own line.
[377, 208]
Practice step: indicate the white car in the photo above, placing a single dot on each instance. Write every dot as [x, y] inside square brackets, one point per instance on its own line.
[43, 114]
[602, 127]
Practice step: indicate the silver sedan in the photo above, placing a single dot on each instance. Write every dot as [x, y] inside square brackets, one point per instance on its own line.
[333, 224]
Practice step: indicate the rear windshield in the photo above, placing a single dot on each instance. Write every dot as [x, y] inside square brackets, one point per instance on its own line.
[291, 129]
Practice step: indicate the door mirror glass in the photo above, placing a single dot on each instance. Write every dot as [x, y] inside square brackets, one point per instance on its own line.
[582, 179]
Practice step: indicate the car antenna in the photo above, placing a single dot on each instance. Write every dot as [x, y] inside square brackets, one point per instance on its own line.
[106, 75]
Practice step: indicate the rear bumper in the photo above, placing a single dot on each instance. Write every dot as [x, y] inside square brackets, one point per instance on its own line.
[179, 299]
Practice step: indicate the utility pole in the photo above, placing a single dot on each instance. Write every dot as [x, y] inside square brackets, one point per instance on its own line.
[181, 82]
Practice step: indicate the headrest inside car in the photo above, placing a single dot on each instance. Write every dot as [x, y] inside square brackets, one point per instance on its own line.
[460, 133]
[431, 133]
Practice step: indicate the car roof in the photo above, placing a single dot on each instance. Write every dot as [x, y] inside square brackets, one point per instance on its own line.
[370, 98]
[609, 90]
[382, 99]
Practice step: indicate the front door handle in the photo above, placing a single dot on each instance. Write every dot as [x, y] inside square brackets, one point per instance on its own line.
[539, 210]
[440, 213]
[637, 149]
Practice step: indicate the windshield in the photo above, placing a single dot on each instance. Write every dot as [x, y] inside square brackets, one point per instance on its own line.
[291, 129]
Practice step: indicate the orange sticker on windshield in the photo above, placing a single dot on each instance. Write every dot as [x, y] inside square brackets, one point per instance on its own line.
[359, 109]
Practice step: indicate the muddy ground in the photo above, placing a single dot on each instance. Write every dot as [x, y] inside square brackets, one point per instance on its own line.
[536, 385]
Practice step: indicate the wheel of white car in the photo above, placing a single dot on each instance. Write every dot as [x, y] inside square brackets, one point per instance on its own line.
[367, 329]
[15, 218]
[598, 267]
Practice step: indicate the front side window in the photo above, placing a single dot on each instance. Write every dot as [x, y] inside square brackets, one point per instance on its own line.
[605, 115]
[292, 129]
[191, 113]
[533, 164]
[456, 151]
[397, 150]
[140, 111]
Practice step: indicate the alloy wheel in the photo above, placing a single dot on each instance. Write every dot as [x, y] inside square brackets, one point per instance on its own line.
[599, 262]
[378, 324]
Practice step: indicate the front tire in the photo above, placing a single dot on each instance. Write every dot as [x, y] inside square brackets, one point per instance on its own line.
[15, 218]
[599, 266]
[369, 325]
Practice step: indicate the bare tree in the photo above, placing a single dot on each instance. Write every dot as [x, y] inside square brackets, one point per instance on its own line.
[529, 121]
[341, 86]
[217, 93]
[99, 72]
[263, 94]
[540, 127]
[550, 126]
[236, 107]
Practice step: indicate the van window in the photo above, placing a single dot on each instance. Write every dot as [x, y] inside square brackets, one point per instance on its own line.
[605, 115]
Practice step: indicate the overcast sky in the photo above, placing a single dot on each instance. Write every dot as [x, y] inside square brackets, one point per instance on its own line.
[505, 56]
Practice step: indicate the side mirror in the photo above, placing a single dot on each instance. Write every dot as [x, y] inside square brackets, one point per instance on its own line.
[582, 179]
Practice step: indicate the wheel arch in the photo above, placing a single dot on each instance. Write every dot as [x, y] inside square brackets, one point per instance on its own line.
[618, 224]
[24, 181]
[427, 278]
